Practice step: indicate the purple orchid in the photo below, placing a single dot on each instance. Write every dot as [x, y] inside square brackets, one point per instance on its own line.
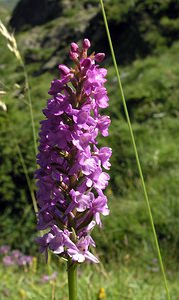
[71, 177]
[8, 260]
[17, 258]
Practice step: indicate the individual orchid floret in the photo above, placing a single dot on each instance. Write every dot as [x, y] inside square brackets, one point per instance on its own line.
[71, 177]
[80, 251]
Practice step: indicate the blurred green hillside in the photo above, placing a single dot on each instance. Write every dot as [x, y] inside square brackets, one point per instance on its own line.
[9, 4]
[145, 35]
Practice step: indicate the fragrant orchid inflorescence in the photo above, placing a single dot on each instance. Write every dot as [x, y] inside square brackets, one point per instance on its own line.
[71, 177]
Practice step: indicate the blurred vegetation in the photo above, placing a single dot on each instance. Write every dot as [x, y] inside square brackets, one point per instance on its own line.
[125, 279]
[145, 35]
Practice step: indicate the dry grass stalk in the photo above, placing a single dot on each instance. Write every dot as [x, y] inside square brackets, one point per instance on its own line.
[2, 104]
[12, 45]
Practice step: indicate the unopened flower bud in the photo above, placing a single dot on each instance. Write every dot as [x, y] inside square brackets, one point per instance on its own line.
[74, 47]
[99, 57]
[64, 70]
[86, 44]
[73, 55]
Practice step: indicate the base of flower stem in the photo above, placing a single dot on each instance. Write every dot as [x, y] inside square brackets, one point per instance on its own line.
[72, 279]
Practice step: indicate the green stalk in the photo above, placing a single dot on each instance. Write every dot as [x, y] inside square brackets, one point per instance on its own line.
[72, 280]
[25, 171]
[27, 179]
[136, 153]
[30, 106]
[12, 46]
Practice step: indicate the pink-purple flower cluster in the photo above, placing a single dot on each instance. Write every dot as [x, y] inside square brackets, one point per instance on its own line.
[71, 177]
[14, 257]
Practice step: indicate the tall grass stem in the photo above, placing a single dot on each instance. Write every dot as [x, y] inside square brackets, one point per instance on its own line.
[28, 180]
[25, 173]
[136, 152]
[12, 46]
[30, 106]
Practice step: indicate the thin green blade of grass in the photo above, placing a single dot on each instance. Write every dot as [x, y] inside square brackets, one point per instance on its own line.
[136, 152]
[21, 158]
[26, 175]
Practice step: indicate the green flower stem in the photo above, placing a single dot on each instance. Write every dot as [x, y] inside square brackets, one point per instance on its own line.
[136, 153]
[72, 280]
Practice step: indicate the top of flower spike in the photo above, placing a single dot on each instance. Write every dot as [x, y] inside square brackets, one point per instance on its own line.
[76, 54]
[86, 44]
[89, 75]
